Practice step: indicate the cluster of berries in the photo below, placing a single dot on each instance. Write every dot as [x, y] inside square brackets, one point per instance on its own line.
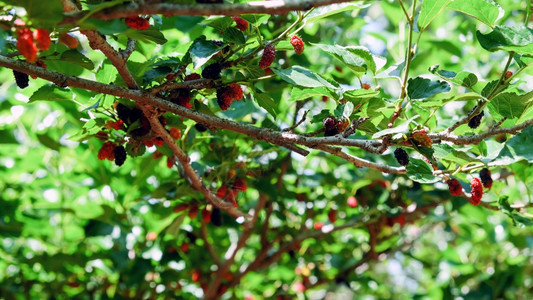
[182, 97]
[137, 23]
[226, 95]
[334, 126]
[112, 152]
[213, 216]
[29, 43]
[476, 186]
[230, 194]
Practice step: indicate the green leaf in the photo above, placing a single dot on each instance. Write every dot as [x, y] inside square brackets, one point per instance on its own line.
[328, 10]
[344, 110]
[256, 19]
[420, 171]
[219, 23]
[201, 51]
[462, 78]
[510, 105]
[429, 10]
[42, 13]
[107, 27]
[403, 128]
[148, 35]
[520, 145]
[300, 76]
[299, 93]
[265, 101]
[48, 142]
[517, 39]
[485, 11]
[234, 35]
[51, 93]
[359, 59]
[420, 88]
[359, 96]
[73, 56]
[447, 152]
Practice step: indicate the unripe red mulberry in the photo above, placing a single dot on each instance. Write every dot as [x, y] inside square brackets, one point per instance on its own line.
[240, 185]
[170, 162]
[137, 23]
[455, 187]
[242, 24]
[42, 37]
[401, 156]
[192, 76]
[224, 99]
[221, 192]
[269, 54]
[235, 91]
[26, 46]
[106, 151]
[508, 74]
[175, 133]
[365, 86]
[477, 191]
[297, 44]
[120, 155]
[21, 79]
[206, 215]
[486, 178]
[212, 71]
[475, 120]
[68, 40]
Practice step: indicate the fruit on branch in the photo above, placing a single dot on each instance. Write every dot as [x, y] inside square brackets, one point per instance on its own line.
[42, 37]
[269, 54]
[175, 133]
[226, 95]
[180, 207]
[22, 79]
[235, 91]
[297, 44]
[455, 187]
[332, 215]
[120, 155]
[318, 225]
[221, 192]
[351, 201]
[158, 141]
[240, 185]
[181, 97]
[475, 120]
[421, 138]
[477, 191]
[68, 40]
[365, 86]
[212, 71]
[342, 124]
[216, 217]
[508, 74]
[242, 24]
[107, 151]
[192, 76]
[206, 215]
[200, 127]
[184, 247]
[170, 162]
[193, 211]
[485, 177]
[330, 125]
[137, 23]
[25, 45]
[401, 156]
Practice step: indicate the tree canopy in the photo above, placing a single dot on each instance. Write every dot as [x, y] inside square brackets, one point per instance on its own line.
[266, 150]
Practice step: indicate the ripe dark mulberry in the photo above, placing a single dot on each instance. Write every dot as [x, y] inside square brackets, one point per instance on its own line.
[475, 120]
[120, 155]
[330, 124]
[224, 98]
[21, 79]
[477, 191]
[401, 156]
[269, 54]
[212, 71]
[297, 44]
[216, 217]
[200, 127]
[455, 187]
[486, 178]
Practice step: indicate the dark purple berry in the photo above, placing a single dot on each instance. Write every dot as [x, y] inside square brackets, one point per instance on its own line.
[330, 124]
[120, 155]
[475, 120]
[200, 127]
[401, 156]
[216, 217]
[485, 177]
[21, 79]
[212, 71]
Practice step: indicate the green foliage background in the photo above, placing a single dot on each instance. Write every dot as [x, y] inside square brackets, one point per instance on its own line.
[73, 226]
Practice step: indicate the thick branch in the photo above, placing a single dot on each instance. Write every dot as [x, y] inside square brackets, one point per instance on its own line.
[276, 7]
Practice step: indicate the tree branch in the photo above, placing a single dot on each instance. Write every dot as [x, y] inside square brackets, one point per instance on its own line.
[276, 7]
